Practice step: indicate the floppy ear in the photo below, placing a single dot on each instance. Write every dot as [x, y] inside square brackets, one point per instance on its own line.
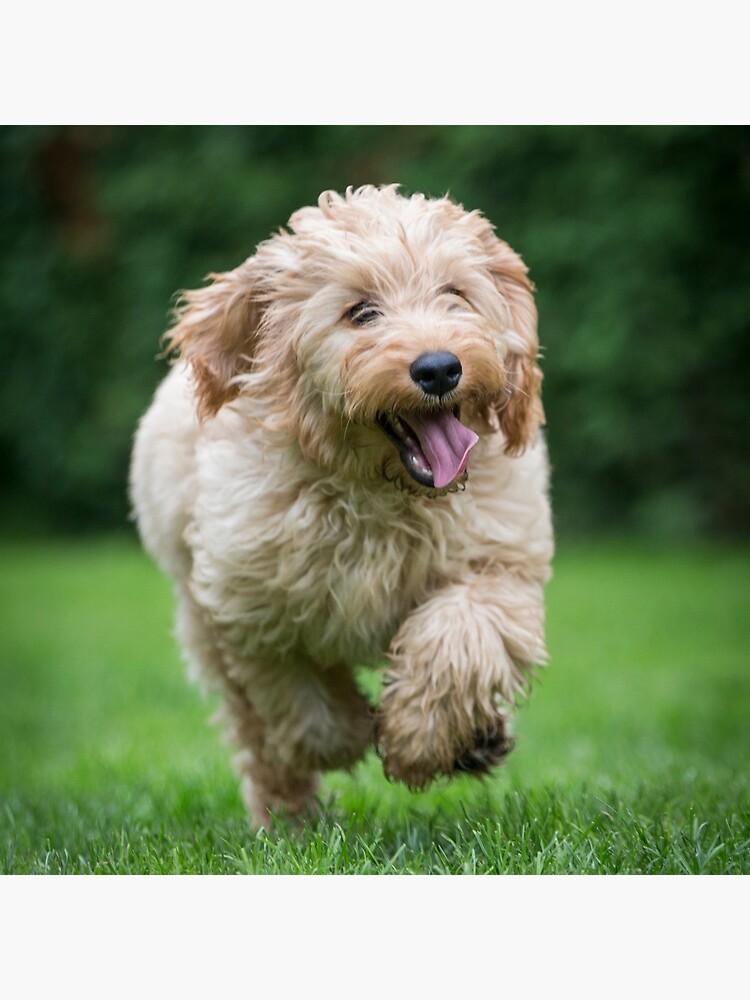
[520, 411]
[216, 332]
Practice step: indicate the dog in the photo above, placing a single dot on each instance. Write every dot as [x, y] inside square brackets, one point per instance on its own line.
[345, 467]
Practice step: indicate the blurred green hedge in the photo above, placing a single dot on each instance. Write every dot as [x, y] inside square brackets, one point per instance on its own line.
[637, 239]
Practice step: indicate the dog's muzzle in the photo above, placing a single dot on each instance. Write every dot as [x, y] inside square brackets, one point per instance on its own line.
[433, 444]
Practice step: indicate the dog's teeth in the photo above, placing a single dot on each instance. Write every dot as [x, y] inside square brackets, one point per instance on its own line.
[397, 425]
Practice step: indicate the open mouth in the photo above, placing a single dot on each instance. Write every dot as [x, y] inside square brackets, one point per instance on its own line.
[434, 447]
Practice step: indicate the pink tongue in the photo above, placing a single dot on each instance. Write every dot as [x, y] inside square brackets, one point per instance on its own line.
[445, 442]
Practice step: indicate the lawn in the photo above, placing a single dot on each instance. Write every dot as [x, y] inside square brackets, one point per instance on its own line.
[632, 752]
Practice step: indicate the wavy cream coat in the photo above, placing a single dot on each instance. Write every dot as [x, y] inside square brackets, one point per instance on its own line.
[299, 544]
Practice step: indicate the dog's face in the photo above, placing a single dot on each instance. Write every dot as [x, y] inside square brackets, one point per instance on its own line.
[385, 333]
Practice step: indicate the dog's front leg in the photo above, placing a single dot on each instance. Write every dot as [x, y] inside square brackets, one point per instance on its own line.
[456, 665]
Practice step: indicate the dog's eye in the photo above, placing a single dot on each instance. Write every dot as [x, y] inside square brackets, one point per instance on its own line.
[459, 299]
[362, 313]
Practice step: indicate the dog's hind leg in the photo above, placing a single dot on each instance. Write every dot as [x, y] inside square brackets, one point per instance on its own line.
[290, 725]
[269, 788]
[457, 665]
[288, 720]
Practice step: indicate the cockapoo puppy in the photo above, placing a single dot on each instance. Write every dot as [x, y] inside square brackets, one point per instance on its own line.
[344, 467]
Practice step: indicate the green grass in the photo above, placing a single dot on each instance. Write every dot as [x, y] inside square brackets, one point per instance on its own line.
[633, 752]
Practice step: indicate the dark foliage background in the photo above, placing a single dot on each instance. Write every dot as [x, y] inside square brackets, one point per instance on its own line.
[636, 239]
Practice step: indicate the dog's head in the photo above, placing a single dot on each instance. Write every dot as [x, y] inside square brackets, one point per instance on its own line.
[384, 333]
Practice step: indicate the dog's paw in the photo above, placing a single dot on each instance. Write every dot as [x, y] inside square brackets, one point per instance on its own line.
[415, 747]
[487, 749]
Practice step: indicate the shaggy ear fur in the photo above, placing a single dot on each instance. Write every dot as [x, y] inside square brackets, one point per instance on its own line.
[520, 412]
[217, 333]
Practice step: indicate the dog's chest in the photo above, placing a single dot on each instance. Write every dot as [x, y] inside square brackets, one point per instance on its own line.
[351, 573]
[330, 576]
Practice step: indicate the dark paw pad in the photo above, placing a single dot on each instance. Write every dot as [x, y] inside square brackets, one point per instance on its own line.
[488, 749]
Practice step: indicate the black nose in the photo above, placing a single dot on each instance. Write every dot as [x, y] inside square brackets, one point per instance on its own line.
[436, 373]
